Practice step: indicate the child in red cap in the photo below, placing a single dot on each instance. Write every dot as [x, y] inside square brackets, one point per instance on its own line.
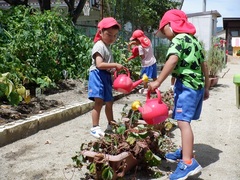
[185, 60]
[145, 51]
[100, 76]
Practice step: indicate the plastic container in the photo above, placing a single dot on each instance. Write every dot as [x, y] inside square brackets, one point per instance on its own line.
[236, 81]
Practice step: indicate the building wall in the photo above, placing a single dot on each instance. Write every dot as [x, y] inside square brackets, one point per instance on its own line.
[233, 31]
[205, 26]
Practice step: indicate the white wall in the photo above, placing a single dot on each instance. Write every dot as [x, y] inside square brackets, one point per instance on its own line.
[204, 29]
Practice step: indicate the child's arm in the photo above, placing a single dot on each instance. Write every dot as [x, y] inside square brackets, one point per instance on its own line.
[206, 77]
[167, 69]
[100, 64]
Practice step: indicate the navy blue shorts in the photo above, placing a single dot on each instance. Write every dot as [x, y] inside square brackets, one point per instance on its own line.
[187, 102]
[150, 71]
[100, 85]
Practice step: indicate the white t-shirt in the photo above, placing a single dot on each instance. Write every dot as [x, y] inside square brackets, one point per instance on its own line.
[149, 58]
[105, 52]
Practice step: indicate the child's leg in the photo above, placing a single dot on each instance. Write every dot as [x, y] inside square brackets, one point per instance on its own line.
[96, 111]
[173, 79]
[109, 111]
[145, 85]
[187, 140]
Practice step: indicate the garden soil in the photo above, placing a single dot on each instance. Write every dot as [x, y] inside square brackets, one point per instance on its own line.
[47, 154]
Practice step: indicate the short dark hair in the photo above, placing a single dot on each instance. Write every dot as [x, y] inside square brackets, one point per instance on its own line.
[113, 27]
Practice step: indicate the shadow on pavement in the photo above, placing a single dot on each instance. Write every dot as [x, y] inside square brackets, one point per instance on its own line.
[206, 154]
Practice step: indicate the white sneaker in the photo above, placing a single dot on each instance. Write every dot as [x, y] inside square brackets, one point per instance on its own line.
[141, 90]
[145, 91]
[97, 132]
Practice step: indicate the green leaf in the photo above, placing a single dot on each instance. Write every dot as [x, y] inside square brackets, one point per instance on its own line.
[131, 140]
[143, 135]
[107, 173]
[121, 130]
[148, 155]
[152, 159]
[92, 168]
[14, 98]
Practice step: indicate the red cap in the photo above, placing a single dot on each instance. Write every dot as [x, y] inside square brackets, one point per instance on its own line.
[135, 53]
[104, 24]
[144, 40]
[178, 21]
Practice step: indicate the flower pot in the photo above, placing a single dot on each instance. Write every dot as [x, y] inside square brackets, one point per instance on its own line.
[213, 81]
[120, 163]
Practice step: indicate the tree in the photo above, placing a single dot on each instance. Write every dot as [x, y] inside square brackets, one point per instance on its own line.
[44, 5]
[17, 2]
[74, 13]
[142, 14]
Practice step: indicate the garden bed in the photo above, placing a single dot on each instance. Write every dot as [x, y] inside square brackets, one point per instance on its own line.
[69, 91]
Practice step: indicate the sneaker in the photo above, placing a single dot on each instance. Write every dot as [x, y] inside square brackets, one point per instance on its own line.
[109, 129]
[141, 90]
[184, 170]
[97, 132]
[145, 91]
[174, 156]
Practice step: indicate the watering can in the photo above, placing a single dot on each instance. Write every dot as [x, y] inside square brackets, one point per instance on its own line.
[123, 83]
[154, 111]
[135, 53]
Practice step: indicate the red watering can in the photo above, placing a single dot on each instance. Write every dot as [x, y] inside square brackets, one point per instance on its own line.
[135, 53]
[154, 111]
[123, 83]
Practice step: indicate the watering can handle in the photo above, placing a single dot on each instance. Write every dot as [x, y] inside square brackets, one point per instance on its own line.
[158, 95]
[126, 69]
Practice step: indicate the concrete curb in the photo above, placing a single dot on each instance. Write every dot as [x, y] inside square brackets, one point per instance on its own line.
[23, 128]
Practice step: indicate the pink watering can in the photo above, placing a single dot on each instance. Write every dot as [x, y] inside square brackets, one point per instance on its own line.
[154, 111]
[123, 83]
[135, 53]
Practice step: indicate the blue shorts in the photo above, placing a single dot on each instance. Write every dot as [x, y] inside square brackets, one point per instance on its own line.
[100, 85]
[187, 102]
[150, 71]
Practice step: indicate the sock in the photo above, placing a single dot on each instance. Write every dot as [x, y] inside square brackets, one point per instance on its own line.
[188, 161]
[95, 125]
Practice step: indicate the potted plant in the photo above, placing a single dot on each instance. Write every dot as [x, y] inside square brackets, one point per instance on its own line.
[215, 60]
[238, 53]
[133, 143]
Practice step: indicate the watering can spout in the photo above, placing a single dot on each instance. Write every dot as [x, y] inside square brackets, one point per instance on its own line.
[154, 111]
[136, 105]
[136, 83]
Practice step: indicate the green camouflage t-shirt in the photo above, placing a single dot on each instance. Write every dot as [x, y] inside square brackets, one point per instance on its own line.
[190, 54]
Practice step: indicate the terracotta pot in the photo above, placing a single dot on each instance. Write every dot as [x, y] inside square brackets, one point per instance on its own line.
[126, 161]
[213, 81]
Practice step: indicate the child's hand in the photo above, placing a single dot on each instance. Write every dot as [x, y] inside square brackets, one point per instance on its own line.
[206, 94]
[153, 85]
[119, 67]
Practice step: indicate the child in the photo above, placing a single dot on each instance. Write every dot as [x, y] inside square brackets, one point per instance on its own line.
[100, 77]
[185, 60]
[145, 51]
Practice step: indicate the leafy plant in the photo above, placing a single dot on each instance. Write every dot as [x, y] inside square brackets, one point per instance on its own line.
[238, 53]
[121, 53]
[8, 90]
[215, 59]
[160, 53]
[38, 45]
[146, 143]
